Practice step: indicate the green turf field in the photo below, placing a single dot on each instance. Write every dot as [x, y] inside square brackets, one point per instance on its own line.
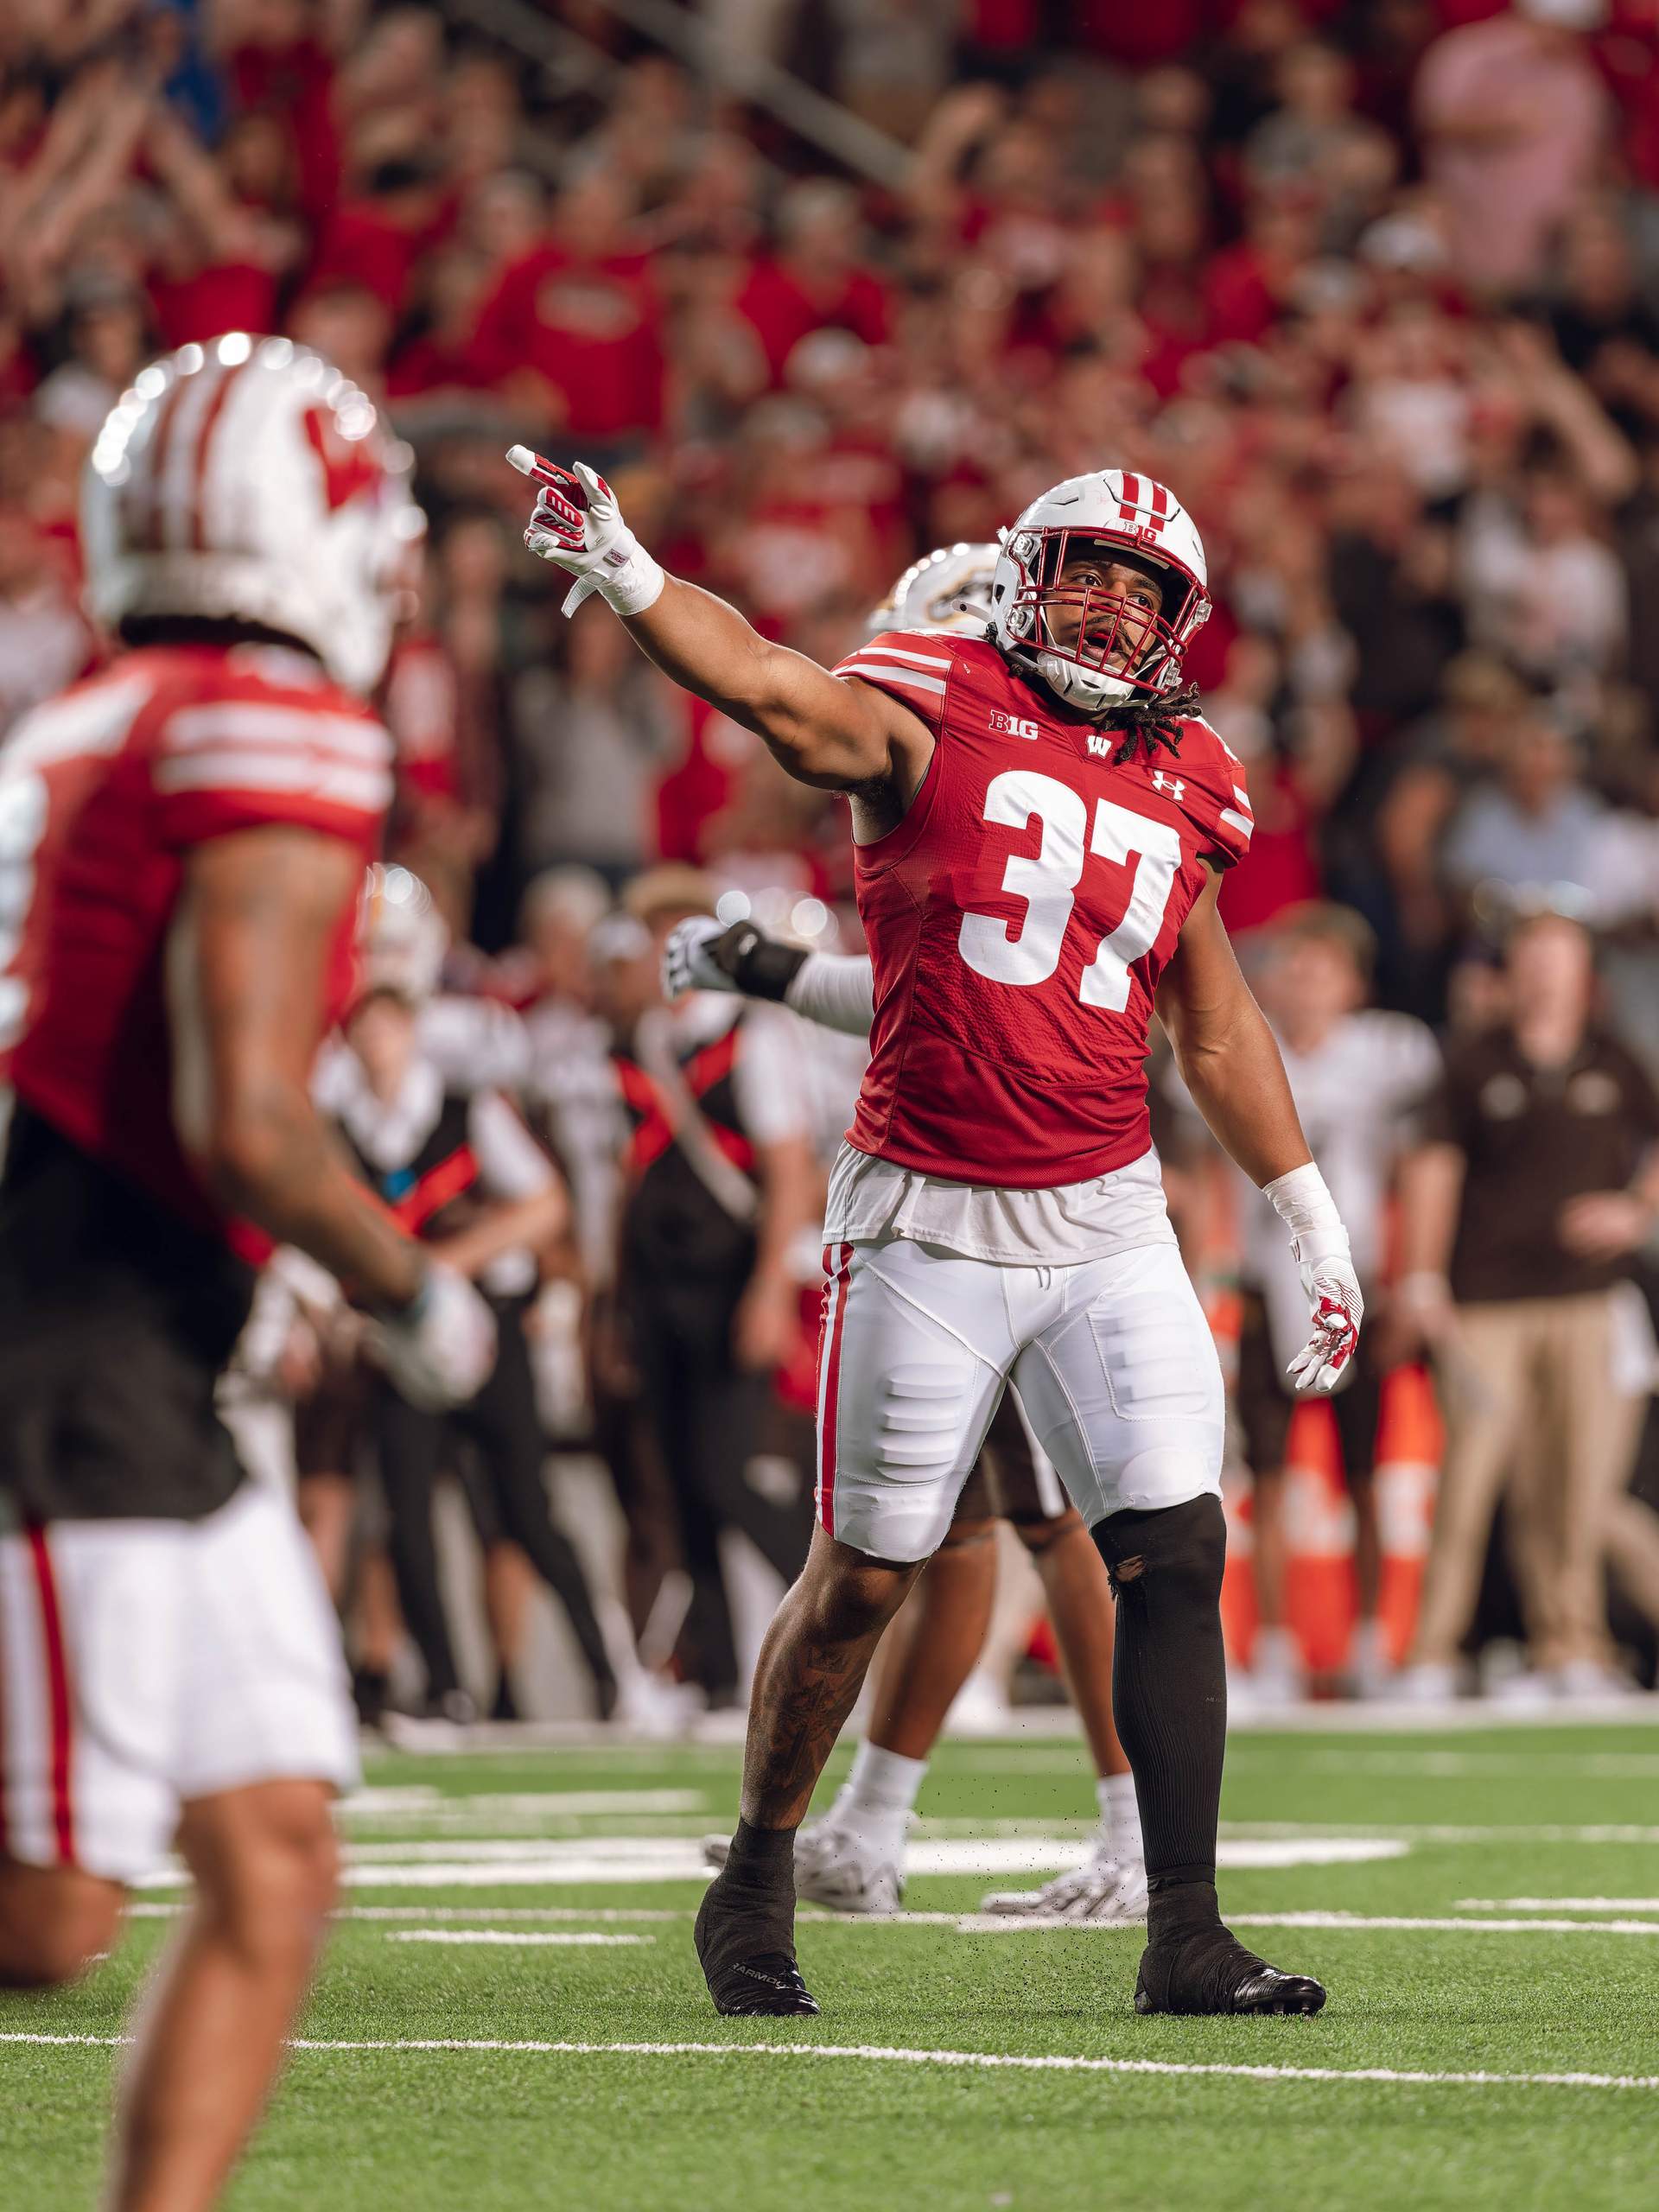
[1417, 1843]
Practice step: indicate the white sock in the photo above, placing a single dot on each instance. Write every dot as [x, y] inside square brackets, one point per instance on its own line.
[878, 1793]
[1120, 1816]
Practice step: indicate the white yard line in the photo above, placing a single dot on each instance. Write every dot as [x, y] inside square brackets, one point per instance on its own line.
[528, 1938]
[712, 1736]
[986, 1923]
[998, 1923]
[432, 1804]
[1018, 2062]
[1558, 1904]
[496, 1862]
[448, 1913]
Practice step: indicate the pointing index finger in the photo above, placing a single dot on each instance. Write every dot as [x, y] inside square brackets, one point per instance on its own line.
[539, 471]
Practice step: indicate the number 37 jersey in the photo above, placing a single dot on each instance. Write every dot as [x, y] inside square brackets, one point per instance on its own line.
[1019, 918]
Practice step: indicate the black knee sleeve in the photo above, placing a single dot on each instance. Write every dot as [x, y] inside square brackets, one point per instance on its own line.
[1185, 1546]
[1169, 1677]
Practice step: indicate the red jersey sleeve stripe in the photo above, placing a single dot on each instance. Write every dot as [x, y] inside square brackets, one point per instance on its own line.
[1242, 797]
[1242, 822]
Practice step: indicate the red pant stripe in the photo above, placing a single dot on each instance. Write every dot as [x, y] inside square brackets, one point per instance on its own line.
[57, 1675]
[833, 1320]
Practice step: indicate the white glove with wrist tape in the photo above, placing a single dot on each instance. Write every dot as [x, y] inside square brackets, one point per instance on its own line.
[1321, 1244]
[577, 524]
[689, 963]
[439, 1350]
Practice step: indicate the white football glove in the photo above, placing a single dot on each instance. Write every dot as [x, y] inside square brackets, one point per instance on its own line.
[1332, 1289]
[438, 1352]
[689, 963]
[577, 524]
[1321, 1244]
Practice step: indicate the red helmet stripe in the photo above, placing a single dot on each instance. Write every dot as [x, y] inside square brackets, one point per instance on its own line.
[1130, 500]
[146, 527]
[177, 475]
[1160, 503]
[204, 443]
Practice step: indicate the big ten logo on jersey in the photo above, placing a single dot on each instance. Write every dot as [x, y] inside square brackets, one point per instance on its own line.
[1011, 725]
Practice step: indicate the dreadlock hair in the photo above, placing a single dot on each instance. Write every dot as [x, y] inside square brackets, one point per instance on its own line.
[1149, 723]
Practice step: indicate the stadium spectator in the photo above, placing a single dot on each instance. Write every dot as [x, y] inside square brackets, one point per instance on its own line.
[1535, 828]
[1514, 117]
[1538, 1182]
[1359, 1077]
[459, 1169]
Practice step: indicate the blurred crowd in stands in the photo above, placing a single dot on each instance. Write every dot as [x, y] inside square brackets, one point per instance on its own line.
[1374, 284]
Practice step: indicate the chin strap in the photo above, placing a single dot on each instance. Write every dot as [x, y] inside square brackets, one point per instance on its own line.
[1148, 723]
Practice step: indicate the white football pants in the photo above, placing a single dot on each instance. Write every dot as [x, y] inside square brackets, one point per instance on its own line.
[145, 1663]
[1112, 1359]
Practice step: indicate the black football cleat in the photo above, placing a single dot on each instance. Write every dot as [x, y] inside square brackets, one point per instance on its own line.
[745, 1982]
[768, 1987]
[1209, 1970]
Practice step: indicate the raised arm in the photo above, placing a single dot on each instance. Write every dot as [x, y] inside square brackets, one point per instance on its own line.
[1229, 1060]
[832, 731]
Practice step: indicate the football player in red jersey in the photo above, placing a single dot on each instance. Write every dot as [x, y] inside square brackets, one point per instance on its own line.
[1041, 819]
[852, 1858]
[182, 845]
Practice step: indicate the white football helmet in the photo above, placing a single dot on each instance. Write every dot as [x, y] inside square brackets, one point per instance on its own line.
[947, 589]
[402, 938]
[1092, 646]
[247, 480]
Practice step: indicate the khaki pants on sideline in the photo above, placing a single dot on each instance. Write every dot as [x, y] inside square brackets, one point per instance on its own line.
[1633, 1552]
[1531, 1408]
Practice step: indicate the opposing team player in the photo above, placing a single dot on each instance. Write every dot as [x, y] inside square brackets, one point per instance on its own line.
[1041, 822]
[184, 839]
[852, 1859]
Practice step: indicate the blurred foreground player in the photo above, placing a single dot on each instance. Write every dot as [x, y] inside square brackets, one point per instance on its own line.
[1040, 821]
[184, 838]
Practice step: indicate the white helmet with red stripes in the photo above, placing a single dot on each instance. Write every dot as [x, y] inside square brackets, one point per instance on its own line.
[1089, 638]
[402, 938]
[949, 589]
[247, 480]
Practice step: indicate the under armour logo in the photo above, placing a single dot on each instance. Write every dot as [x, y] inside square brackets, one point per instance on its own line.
[1173, 784]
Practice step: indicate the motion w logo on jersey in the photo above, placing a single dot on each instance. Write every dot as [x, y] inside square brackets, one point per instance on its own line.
[1102, 748]
[1011, 725]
